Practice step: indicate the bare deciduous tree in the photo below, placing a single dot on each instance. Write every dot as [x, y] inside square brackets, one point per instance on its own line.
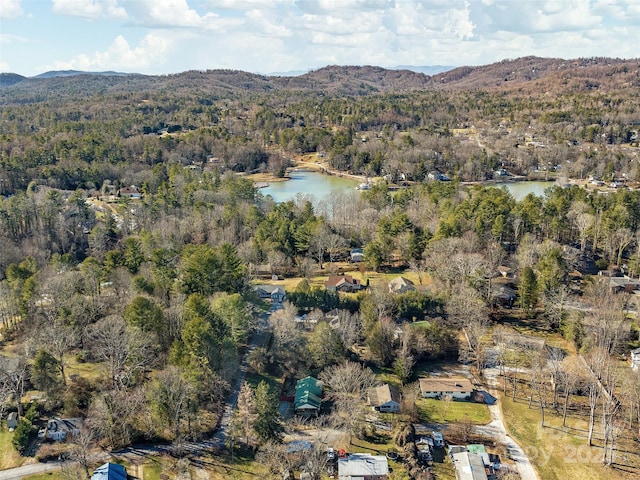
[126, 351]
[13, 377]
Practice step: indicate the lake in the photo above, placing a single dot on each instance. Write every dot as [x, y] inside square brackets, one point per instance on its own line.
[307, 182]
[519, 190]
[320, 185]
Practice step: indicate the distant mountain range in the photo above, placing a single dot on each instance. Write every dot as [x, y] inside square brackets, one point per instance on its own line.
[527, 74]
[7, 79]
[427, 70]
[71, 73]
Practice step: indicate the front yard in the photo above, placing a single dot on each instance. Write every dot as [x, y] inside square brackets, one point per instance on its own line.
[444, 411]
[9, 458]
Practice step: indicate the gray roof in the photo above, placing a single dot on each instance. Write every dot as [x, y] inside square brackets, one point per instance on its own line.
[358, 465]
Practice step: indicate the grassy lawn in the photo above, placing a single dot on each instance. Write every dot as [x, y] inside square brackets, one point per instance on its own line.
[440, 411]
[54, 475]
[9, 458]
[89, 371]
[557, 453]
[254, 379]
[445, 470]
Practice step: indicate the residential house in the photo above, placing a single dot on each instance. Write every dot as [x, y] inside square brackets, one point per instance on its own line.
[472, 462]
[357, 255]
[385, 399]
[505, 272]
[401, 285]
[469, 466]
[503, 296]
[12, 421]
[131, 192]
[363, 466]
[342, 283]
[60, 428]
[275, 293]
[308, 397]
[435, 175]
[635, 359]
[624, 284]
[110, 471]
[459, 388]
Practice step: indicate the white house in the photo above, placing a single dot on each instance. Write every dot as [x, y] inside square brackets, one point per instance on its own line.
[459, 388]
[363, 466]
[384, 398]
[635, 359]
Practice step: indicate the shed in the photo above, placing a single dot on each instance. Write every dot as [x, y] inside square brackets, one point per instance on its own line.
[12, 420]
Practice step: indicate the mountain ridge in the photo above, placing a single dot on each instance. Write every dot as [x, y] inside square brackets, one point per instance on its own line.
[529, 74]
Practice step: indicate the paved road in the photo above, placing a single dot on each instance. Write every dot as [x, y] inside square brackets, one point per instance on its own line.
[27, 470]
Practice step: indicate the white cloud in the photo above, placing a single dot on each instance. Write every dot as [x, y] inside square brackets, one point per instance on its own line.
[166, 13]
[9, 38]
[248, 4]
[4, 67]
[89, 9]
[10, 9]
[333, 6]
[151, 51]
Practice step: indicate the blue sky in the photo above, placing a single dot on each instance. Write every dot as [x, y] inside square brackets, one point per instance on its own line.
[265, 36]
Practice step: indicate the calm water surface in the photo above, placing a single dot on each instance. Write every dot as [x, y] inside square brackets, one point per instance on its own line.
[307, 182]
[320, 185]
[519, 190]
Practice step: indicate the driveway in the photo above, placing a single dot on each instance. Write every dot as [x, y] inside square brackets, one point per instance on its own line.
[497, 430]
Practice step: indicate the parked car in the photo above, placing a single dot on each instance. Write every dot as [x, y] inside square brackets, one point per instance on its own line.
[438, 439]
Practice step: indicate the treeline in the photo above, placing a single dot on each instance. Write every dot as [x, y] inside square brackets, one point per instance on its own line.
[87, 139]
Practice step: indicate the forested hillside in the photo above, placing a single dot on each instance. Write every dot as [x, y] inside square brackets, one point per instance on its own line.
[131, 236]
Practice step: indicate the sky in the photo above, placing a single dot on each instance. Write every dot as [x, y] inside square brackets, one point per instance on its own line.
[277, 36]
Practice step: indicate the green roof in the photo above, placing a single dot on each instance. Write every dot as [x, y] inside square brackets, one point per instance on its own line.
[308, 391]
[476, 448]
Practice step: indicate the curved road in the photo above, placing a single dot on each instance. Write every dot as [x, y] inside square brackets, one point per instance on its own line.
[496, 429]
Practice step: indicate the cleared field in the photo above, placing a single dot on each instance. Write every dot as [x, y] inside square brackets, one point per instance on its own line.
[9, 458]
[562, 453]
[441, 411]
